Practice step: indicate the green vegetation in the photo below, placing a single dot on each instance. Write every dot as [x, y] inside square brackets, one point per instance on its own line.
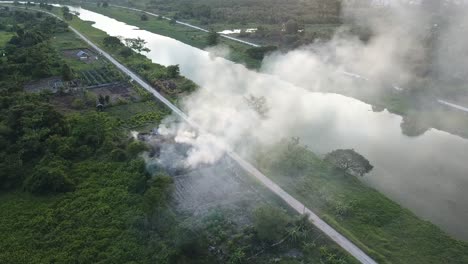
[153, 73]
[382, 228]
[73, 188]
[286, 24]
[138, 115]
[5, 37]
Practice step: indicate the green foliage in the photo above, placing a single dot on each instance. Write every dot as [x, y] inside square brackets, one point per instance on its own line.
[126, 52]
[270, 223]
[49, 176]
[212, 39]
[112, 41]
[173, 71]
[157, 195]
[135, 148]
[67, 73]
[29, 54]
[118, 155]
[389, 233]
[259, 53]
[137, 44]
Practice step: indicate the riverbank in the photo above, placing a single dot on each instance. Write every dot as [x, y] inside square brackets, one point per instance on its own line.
[384, 229]
[193, 37]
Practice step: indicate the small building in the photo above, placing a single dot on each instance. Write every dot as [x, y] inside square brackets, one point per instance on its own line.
[82, 55]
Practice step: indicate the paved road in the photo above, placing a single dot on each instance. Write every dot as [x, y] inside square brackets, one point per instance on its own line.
[458, 107]
[342, 241]
[190, 25]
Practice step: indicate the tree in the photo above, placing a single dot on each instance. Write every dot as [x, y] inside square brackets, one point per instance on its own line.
[105, 4]
[212, 39]
[101, 99]
[137, 44]
[112, 41]
[144, 17]
[67, 16]
[135, 148]
[67, 74]
[173, 71]
[49, 176]
[259, 53]
[118, 155]
[126, 52]
[349, 161]
[65, 9]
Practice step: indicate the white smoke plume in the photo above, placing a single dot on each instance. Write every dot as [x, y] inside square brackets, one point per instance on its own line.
[394, 54]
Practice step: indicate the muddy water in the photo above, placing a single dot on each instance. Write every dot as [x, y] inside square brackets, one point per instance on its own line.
[427, 174]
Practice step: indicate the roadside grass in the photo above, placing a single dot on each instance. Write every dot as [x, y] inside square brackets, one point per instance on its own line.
[381, 227]
[5, 37]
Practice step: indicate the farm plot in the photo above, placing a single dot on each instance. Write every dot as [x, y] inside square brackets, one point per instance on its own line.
[100, 76]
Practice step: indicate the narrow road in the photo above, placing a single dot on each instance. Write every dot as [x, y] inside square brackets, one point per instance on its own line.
[189, 25]
[458, 107]
[342, 241]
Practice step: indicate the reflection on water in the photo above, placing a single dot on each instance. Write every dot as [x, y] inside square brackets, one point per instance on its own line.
[426, 173]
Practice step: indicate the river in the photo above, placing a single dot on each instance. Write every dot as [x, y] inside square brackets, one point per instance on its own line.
[427, 174]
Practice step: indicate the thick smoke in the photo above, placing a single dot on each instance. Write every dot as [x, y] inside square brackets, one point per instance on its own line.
[384, 45]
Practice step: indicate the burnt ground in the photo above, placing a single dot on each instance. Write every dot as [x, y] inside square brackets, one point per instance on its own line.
[117, 92]
[201, 190]
[43, 84]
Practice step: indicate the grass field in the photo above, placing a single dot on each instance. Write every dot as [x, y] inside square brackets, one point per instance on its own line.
[5, 37]
[388, 232]
[141, 115]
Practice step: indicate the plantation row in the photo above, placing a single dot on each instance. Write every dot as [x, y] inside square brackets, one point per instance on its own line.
[100, 76]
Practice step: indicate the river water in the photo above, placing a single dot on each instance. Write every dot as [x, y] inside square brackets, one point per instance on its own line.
[427, 174]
